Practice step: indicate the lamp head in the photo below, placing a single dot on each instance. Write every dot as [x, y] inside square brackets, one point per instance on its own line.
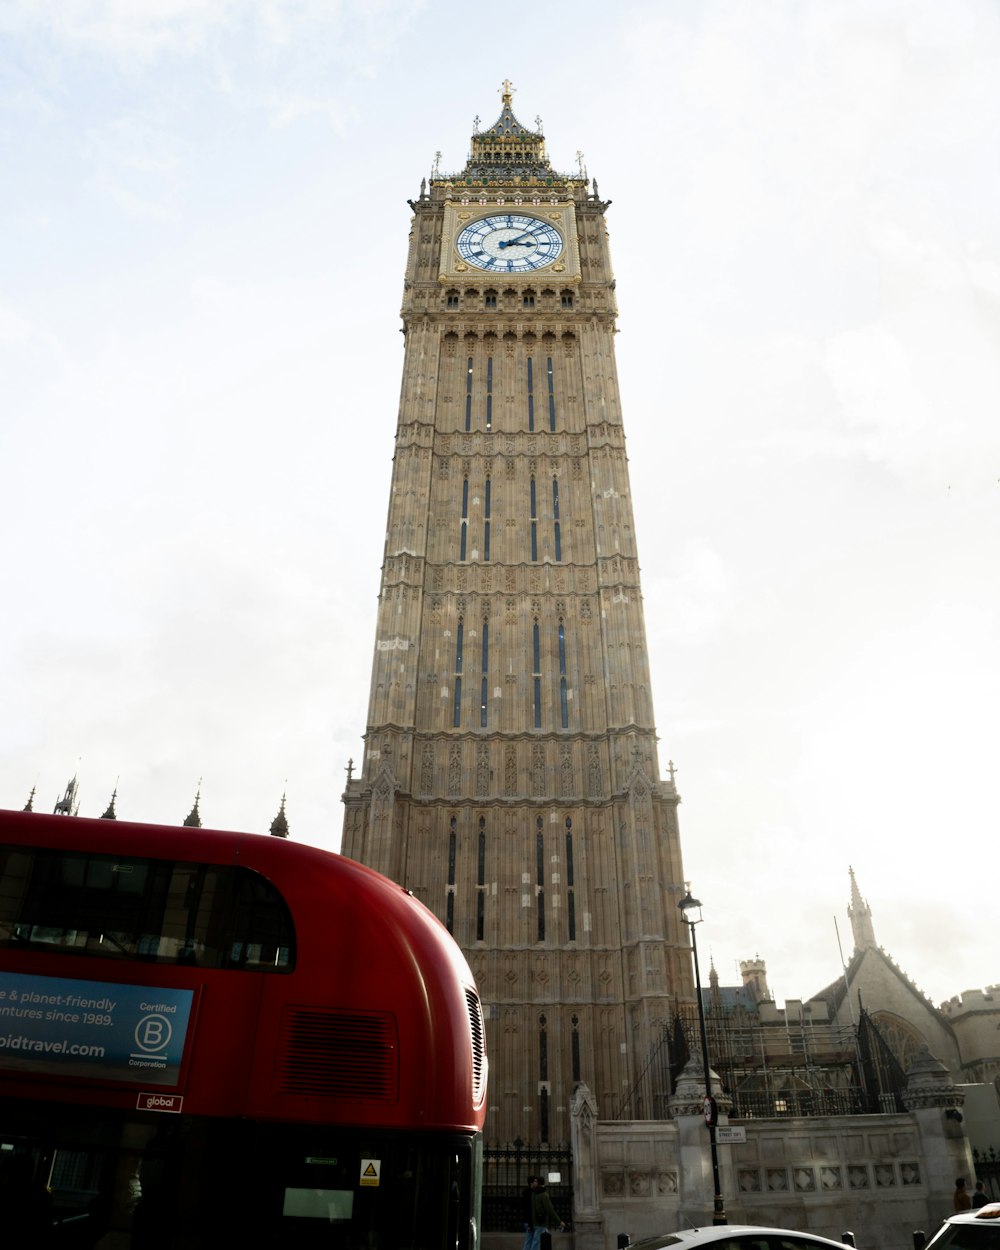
[688, 906]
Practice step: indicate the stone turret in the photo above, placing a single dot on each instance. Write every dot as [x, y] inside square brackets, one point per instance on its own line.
[754, 973]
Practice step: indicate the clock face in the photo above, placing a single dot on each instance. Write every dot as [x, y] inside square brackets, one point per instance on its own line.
[509, 243]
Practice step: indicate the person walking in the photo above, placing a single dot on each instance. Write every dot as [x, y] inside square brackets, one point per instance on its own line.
[979, 1198]
[960, 1199]
[543, 1215]
[527, 1214]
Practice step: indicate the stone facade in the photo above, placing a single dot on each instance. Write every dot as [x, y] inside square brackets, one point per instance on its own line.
[879, 1176]
[975, 1018]
[510, 776]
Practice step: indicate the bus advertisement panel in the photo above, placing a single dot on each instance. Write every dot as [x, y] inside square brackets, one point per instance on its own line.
[99, 1029]
[212, 1039]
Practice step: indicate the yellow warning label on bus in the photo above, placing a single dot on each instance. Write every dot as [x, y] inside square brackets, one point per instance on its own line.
[370, 1169]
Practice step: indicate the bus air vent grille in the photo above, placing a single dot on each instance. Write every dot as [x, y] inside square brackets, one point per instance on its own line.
[337, 1055]
[478, 1029]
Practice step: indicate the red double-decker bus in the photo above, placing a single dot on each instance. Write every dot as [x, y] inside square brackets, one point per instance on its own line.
[216, 1038]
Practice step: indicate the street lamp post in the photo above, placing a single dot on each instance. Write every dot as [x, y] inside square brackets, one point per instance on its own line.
[688, 906]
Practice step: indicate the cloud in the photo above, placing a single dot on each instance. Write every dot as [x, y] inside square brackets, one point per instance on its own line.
[358, 32]
[293, 107]
[122, 29]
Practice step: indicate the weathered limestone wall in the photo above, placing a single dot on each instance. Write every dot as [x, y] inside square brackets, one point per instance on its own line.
[879, 1176]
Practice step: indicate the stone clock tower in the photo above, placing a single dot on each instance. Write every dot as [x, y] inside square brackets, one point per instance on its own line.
[510, 775]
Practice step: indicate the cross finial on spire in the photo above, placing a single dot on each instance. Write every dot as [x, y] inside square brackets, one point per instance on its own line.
[437, 165]
[508, 90]
[350, 770]
[583, 168]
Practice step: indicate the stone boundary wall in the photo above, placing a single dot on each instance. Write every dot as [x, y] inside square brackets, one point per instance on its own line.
[878, 1176]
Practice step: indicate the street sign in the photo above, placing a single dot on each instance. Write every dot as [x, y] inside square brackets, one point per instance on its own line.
[730, 1134]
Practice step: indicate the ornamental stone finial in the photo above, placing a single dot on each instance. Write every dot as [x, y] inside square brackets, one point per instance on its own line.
[929, 1083]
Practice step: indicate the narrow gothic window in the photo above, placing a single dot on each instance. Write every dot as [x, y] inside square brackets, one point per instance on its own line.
[567, 299]
[537, 673]
[468, 395]
[452, 854]
[570, 892]
[463, 537]
[486, 522]
[540, 877]
[534, 524]
[451, 300]
[531, 398]
[575, 1043]
[529, 299]
[552, 395]
[481, 882]
[563, 696]
[555, 514]
[543, 1076]
[485, 670]
[490, 299]
[459, 641]
[489, 393]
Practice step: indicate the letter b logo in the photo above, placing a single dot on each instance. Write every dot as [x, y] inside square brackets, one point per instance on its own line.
[152, 1033]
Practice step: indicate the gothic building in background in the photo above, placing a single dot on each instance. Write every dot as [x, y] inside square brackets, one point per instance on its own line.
[510, 775]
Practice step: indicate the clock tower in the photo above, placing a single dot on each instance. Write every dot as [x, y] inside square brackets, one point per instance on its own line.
[510, 775]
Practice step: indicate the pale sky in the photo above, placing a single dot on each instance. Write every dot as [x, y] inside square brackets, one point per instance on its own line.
[204, 232]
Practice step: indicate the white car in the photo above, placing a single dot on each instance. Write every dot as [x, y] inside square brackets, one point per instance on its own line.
[972, 1230]
[739, 1237]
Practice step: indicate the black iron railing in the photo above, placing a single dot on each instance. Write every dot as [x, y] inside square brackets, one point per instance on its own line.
[505, 1177]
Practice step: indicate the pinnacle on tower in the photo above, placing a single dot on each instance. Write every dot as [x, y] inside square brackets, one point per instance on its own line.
[861, 918]
[109, 812]
[69, 804]
[279, 826]
[193, 818]
[508, 148]
[30, 805]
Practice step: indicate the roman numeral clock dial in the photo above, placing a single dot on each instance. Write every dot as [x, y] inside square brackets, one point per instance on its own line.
[509, 243]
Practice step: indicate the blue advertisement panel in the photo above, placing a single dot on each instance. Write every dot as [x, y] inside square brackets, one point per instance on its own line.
[96, 1029]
